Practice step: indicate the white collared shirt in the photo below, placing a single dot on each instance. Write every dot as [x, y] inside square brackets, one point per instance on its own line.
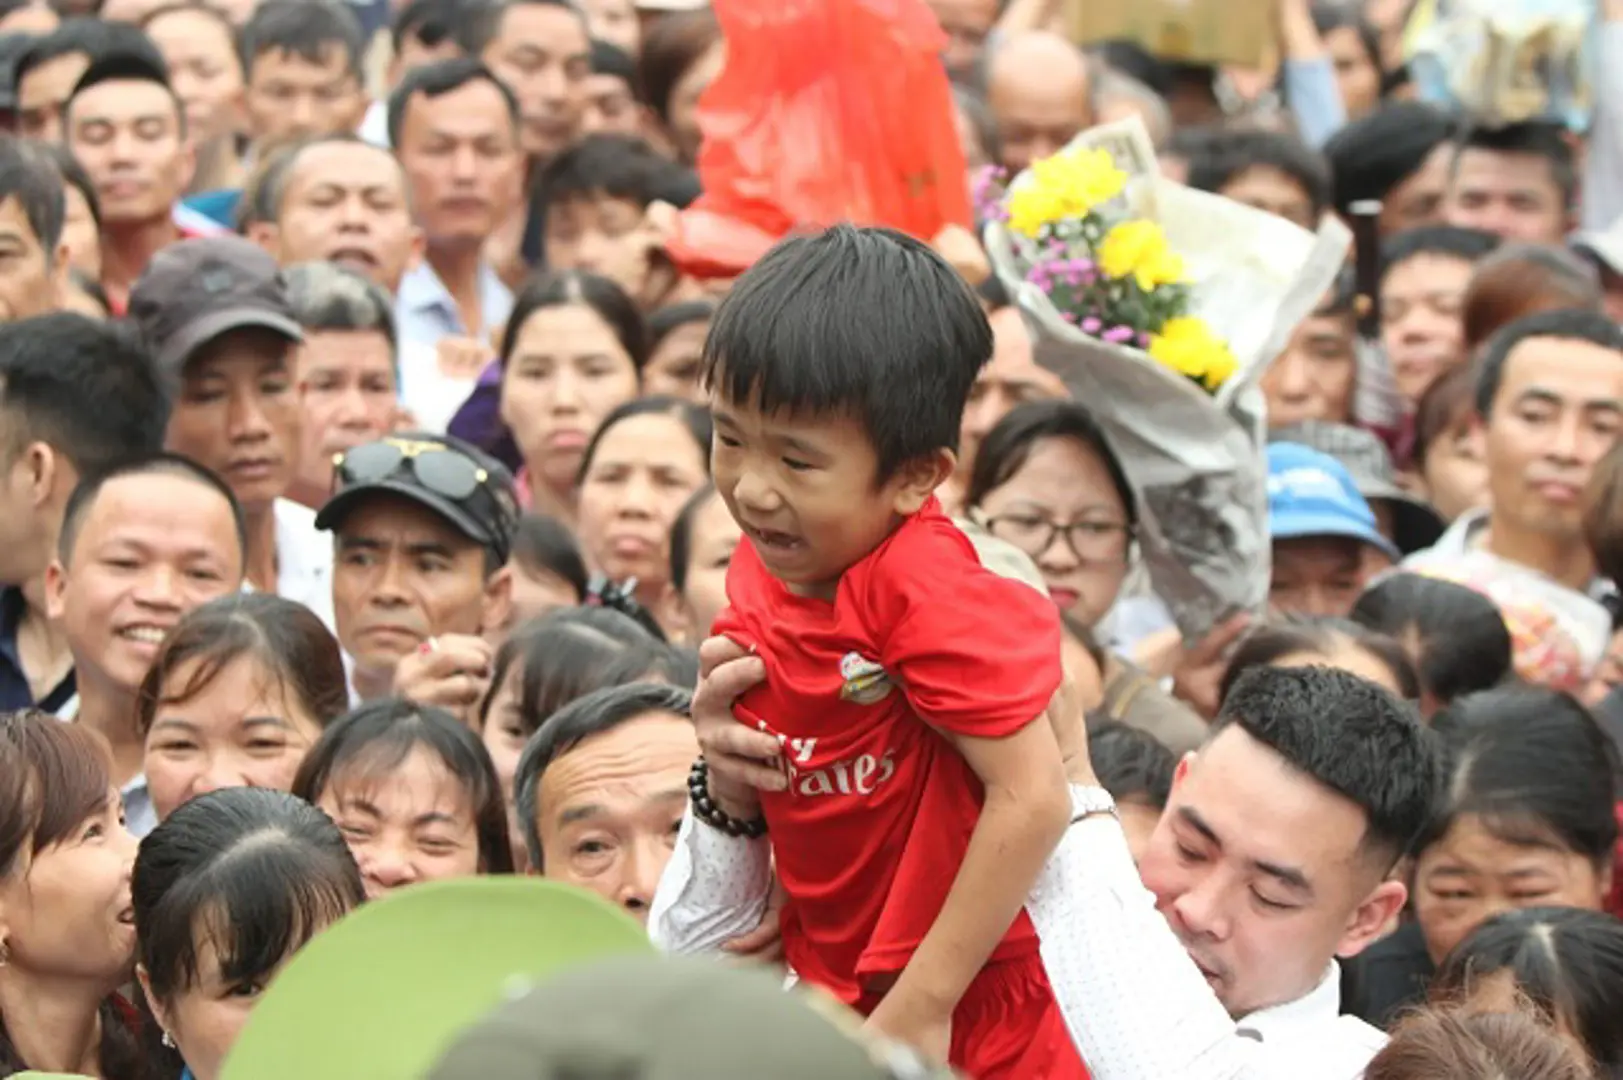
[1136, 1005]
[303, 560]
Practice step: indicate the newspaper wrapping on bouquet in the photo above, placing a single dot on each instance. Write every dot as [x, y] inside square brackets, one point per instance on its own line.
[1196, 460]
[1505, 61]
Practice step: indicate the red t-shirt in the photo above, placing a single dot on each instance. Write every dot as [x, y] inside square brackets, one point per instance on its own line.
[880, 807]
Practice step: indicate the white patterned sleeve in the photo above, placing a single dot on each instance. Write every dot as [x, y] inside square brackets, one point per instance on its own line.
[1135, 1004]
[714, 889]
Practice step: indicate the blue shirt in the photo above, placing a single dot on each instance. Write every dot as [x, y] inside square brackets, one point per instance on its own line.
[425, 311]
[15, 692]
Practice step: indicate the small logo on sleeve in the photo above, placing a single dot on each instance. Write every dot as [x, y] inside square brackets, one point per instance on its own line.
[865, 681]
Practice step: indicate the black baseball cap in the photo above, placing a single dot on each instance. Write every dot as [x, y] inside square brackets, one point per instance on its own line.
[455, 479]
[195, 290]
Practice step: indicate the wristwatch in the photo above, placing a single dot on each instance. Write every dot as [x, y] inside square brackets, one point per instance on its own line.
[1087, 802]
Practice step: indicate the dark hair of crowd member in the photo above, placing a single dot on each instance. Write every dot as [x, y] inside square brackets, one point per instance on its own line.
[560, 289]
[19, 806]
[284, 638]
[868, 323]
[89, 489]
[308, 31]
[1533, 138]
[1133, 765]
[1447, 241]
[128, 67]
[1566, 963]
[1455, 636]
[605, 164]
[1225, 157]
[598, 712]
[249, 872]
[681, 543]
[1351, 736]
[87, 389]
[545, 545]
[443, 77]
[565, 655]
[1005, 449]
[671, 46]
[428, 22]
[93, 38]
[1438, 1044]
[1278, 638]
[67, 774]
[695, 419]
[1518, 280]
[1447, 402]
[1588, 326]
[29, 174]
[74, 176]
[1533, 767]
[366, 745]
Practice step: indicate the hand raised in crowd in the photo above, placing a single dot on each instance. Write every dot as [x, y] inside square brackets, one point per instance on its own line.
[452, 672]
[741, 761]
[1197, 676]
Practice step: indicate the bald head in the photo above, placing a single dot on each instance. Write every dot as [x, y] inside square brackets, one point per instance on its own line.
[1038, 88]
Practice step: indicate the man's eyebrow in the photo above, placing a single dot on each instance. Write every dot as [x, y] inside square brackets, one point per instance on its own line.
[1289, 876]
[1193, 819]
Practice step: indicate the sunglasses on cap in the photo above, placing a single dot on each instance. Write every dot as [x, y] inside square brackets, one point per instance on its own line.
[441, 469]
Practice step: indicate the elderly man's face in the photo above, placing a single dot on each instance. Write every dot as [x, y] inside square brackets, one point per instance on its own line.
[608, 810]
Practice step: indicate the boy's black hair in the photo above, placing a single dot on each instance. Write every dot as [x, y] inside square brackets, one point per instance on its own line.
[95, 38]
[618, 166]
[865, 322]
[442, 77]
[1454, 241]
[1133, 765]
[1217, 163]
[1573, 325]
[1534, 138]
[609, 59]
[1350, 735]
[29, 175]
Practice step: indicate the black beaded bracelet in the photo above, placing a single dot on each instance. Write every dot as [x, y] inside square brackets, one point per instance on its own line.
[706, 810]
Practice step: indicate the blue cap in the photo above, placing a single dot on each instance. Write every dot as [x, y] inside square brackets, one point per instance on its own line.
[1313, 494]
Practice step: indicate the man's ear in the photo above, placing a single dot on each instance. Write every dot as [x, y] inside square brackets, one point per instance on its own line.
[674, 611]
[268, 235]
[497, 602]
[918, 479]
[56, 584]
[1370, 921]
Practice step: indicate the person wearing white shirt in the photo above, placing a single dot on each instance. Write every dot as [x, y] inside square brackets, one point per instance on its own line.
[1275, 856]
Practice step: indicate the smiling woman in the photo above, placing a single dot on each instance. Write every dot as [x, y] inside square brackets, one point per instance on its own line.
[414, 793]
[69, 932]
[235, 697]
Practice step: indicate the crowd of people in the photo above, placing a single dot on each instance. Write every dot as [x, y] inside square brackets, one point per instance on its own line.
[381, 503]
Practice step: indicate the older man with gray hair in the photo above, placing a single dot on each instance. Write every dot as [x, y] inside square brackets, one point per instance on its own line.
[349, 379]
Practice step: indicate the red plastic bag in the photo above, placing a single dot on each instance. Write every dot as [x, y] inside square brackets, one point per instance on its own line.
[826, 111]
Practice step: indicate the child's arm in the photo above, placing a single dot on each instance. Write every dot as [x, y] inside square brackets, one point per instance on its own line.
[1026, 809]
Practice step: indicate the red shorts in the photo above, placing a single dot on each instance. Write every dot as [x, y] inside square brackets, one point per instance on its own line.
[1008, 1026]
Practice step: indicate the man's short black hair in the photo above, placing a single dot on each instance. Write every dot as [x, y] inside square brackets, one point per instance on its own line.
[865, 322]
[616, 166]
[1452, 241]
[442, 77]
[1216, 164]
[29, 174]
[609, 59]
[1133, 765]
[482, 23]
[95, 39]
[597, 713]
[431, 22]
[307, 29]
[1573, 325]
[1535, 138]
[159, 464]
[127, 67]
[86, 388]
[1350, 735]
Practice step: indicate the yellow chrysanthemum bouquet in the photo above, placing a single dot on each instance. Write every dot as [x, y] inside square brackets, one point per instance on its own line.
[1161, 307]
[1110, 274]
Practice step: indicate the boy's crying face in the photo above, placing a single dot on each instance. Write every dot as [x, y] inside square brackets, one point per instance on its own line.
[806, 491]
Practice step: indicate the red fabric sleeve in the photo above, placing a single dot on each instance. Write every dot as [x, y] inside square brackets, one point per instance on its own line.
[978, 654]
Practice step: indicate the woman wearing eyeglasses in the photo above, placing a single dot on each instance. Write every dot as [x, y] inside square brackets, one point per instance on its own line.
[1046, 481]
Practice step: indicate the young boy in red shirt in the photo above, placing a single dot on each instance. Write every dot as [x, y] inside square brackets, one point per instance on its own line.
[906, 684]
